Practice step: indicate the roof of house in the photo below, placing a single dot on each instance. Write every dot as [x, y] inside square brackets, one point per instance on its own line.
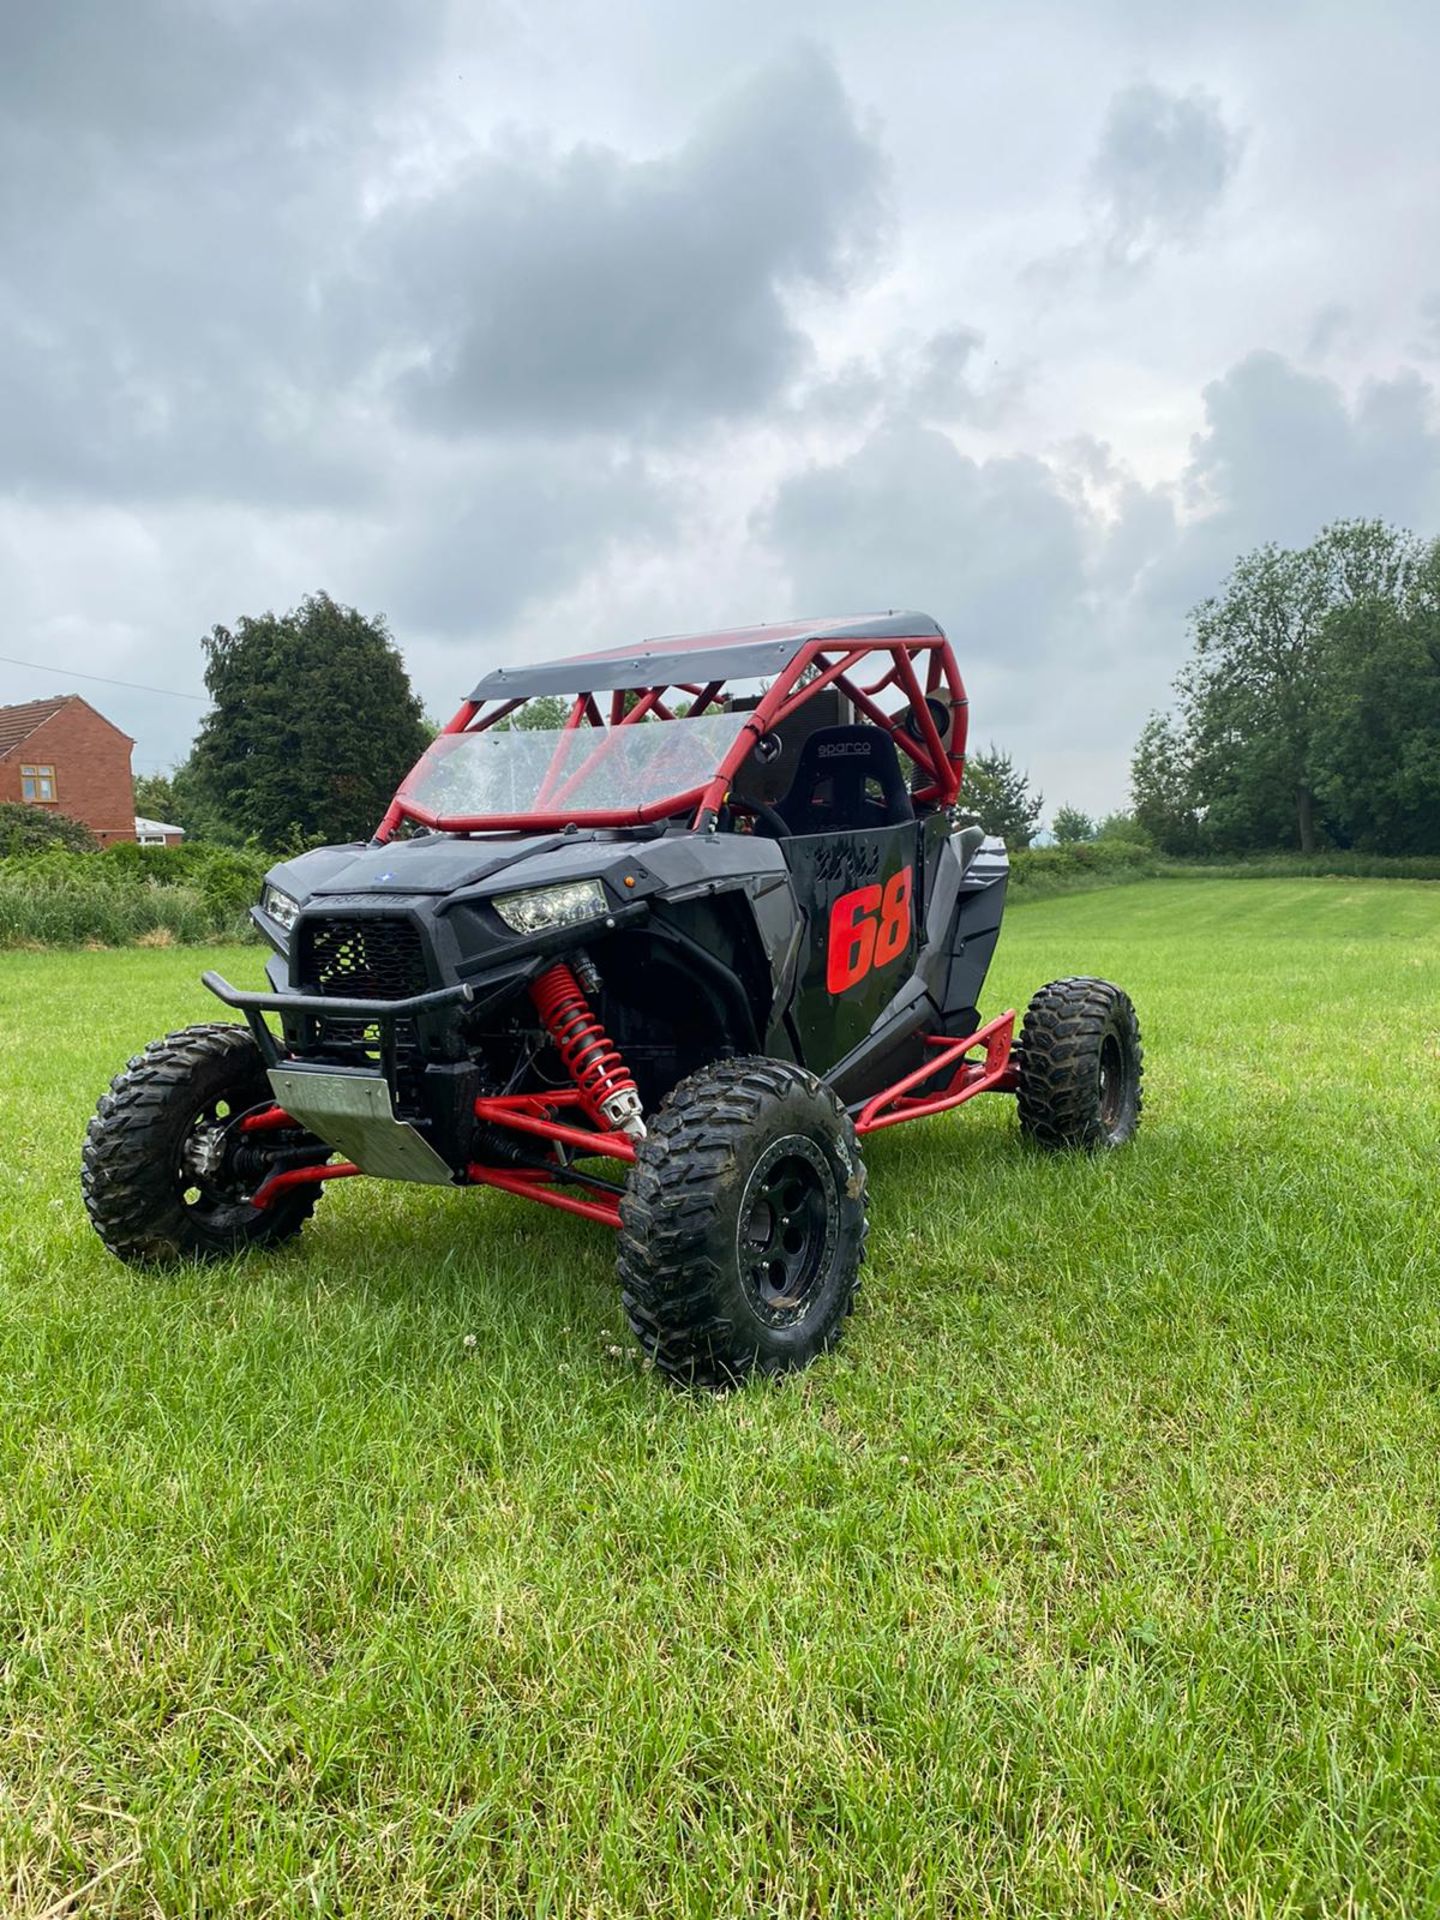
[743, 653]
[18, 723]
[142, 825]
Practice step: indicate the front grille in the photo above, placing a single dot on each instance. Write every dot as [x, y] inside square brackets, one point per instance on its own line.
[363, 959]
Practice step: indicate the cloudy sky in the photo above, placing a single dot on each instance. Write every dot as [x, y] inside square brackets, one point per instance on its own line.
[552, 324]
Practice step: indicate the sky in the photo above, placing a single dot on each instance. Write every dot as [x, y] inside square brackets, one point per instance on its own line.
[545, 327]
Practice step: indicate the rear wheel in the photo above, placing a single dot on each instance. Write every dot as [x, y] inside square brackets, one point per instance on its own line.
[1080, 1066]
[742, 1224]
[167, 1173]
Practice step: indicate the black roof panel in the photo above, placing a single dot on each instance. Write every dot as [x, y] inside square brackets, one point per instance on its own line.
[747, 653]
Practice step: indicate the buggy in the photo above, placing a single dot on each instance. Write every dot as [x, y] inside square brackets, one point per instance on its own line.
[665, 965]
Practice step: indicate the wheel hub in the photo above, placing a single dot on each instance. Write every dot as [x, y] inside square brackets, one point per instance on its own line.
[203, 1153]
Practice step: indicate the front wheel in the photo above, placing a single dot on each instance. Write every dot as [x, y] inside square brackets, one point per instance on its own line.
[1080, 1066]
[742, 1224]
[167, 1172]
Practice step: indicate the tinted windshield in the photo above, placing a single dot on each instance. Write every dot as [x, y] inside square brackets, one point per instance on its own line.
[558, 775]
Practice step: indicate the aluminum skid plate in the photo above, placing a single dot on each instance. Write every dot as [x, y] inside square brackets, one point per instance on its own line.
[352, 1112]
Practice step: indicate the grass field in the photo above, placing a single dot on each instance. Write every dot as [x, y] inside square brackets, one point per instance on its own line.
[1096, 1573]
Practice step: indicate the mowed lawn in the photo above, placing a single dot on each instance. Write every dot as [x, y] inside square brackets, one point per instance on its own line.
[1098, 1572]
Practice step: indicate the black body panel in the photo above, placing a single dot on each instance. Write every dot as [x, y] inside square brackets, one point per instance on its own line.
[708, 945]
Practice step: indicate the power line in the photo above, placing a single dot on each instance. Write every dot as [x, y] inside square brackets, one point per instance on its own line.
[73, 673]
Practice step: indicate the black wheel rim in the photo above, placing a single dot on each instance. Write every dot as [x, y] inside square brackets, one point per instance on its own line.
[208, 1181]
[785, 1240]
[1112, 1082]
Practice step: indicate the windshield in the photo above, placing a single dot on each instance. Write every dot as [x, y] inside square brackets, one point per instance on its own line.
[543, 773]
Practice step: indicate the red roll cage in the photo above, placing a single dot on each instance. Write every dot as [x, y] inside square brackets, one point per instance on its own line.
[815, 663]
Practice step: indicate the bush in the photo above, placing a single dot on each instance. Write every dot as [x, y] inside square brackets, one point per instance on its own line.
[25, 830]
[1038, 871]
[128, 893]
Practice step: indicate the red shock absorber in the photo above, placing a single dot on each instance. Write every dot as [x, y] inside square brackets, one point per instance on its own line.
[607, 1090]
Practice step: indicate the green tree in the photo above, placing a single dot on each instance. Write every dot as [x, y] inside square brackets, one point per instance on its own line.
[29, 829]
[1122, 825]
[1162, 795]
[1070, 826]
[1376, 738]
[155, 798]
[314, 724]
[1250, 698]
[998, 794]
[546, 710]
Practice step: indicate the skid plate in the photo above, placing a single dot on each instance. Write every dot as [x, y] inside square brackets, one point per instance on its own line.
[351, 1111]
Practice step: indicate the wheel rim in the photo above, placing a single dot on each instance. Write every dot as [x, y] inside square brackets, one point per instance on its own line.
[207, 1180]
[787, 1230]
[1112, 1082]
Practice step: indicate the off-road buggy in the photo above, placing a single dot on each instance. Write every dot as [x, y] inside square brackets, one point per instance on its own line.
[709, 936]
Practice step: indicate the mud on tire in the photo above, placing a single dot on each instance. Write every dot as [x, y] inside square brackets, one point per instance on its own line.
[139, 1177]
[742, 1224]
[1080, 1066]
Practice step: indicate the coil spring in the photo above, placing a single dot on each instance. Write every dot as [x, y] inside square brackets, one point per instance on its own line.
[606, 1085]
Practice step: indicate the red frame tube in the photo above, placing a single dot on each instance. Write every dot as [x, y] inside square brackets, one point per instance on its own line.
[529, 1185]
[300, 1177]
[943, 764]
[530, 1113]
[994, 1074]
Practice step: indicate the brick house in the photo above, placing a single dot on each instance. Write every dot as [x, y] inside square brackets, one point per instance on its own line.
[63, 756]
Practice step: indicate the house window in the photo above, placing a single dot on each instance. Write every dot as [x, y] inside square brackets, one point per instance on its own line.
[37, 783]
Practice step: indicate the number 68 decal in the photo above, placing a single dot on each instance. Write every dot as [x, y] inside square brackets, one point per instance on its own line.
[868, 928]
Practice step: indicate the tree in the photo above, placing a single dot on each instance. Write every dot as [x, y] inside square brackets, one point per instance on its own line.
[1123, 826]
[999, 796]
[545, 711]
[1250, 699]
[1070, 826]
[1376, 739]
[155, 798]
[314, 724]
[1162, 788]
[29, 829]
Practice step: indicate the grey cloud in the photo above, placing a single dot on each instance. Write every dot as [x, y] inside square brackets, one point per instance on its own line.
[150, 73]
[590, 292]
[1284, 451]
[992, 549]
[937, 380]
[1429, 342]
[1332, 329]
[1162, 166]
[177, 181]
[510, 527]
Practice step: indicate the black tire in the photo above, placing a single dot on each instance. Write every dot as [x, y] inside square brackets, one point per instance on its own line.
[742, 1224]
[1080, 1066]
[148, 1203]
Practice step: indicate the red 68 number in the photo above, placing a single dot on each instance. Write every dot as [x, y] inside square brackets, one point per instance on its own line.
[868, 928]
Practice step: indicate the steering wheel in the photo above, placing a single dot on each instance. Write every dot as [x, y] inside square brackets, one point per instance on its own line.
[767, 815]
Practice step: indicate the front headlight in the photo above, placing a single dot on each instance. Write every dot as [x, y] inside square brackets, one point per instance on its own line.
[542, 907]
[280, 907]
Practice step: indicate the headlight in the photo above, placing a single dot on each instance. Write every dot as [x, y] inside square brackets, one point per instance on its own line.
[542, 907]
[280, 907]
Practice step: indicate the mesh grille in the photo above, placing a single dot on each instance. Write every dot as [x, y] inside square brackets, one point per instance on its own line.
[364, 959]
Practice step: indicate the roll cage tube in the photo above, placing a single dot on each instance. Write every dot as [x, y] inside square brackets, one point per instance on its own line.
[833, 663]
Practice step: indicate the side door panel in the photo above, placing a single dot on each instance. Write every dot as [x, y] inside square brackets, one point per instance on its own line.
[860, 895]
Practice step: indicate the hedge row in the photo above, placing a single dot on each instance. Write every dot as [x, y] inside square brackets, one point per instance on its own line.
[191, 895]
[1037, 872]
[127, 894]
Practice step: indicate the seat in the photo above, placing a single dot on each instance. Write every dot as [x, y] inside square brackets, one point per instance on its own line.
[847, 779]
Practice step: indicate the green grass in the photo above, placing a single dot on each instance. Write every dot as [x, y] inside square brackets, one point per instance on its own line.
[1096, 1573]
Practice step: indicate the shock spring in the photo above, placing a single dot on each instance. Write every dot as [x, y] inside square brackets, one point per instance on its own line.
[607, 1088]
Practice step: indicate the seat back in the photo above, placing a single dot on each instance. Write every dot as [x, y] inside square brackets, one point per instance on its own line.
[847, 779]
